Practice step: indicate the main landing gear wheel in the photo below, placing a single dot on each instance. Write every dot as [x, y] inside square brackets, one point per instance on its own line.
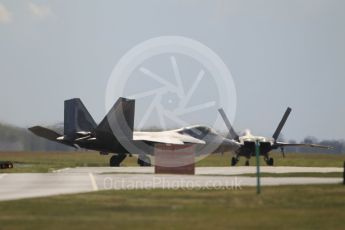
[270, 161]
[234, 161]
[144, 161]
[116, 160]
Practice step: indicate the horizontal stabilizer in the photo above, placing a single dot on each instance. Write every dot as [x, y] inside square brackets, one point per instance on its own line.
[50, 135]
[45, 133]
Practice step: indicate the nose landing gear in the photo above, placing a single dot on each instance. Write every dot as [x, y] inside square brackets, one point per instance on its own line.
[247, 162]
[269, 161]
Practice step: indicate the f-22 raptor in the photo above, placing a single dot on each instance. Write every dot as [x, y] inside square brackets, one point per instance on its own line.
[248, 142]
[114, 134]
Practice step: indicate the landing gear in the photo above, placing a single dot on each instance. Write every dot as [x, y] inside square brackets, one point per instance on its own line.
[247, 162]
[234, 161]
[144, 160]
[116, 160]
[270, 161]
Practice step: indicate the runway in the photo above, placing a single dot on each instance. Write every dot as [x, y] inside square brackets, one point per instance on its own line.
[87, 179]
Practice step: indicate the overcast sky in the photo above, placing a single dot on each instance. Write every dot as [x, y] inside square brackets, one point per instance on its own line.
[280, 53]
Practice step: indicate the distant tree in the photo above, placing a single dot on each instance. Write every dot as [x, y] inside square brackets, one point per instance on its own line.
[310, 140]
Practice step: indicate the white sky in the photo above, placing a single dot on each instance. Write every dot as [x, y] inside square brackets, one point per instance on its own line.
[280, 52]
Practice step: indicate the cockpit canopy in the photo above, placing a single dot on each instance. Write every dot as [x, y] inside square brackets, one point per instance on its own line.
[197, 131]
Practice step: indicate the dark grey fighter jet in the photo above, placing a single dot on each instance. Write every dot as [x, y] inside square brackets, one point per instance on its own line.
[248, 142]
[115, 134]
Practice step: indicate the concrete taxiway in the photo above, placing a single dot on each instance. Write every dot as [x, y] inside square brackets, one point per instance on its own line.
[238, 170]
[87, 179]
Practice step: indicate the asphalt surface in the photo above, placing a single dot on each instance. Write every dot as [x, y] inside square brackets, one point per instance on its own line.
[87, 179]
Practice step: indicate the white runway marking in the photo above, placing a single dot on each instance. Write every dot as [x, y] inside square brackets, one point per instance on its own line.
[93, 182]
[61, 170]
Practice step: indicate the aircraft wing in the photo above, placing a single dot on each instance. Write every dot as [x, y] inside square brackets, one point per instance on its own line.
[166, 138]
[282, 144]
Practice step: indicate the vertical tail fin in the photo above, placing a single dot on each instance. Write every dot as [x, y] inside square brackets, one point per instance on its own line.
[119, 122]
[282, 123]
[232, 134]
[77, 118]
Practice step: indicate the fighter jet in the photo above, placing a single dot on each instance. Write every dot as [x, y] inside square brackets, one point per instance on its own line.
[115, 134]
[248, 142]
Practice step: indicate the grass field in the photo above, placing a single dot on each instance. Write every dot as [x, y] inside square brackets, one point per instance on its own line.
[48, 161]
[332, 174]
[283, 207]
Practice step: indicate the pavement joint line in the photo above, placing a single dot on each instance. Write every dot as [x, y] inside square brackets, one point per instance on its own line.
[93, 182]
